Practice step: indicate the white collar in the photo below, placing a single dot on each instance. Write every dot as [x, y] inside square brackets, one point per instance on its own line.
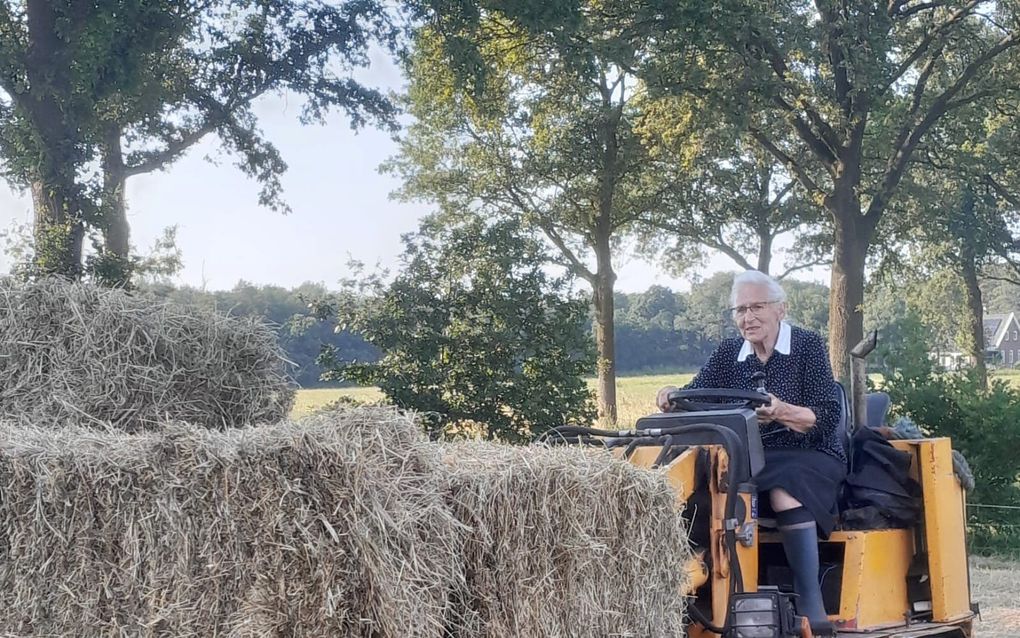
[782, 343]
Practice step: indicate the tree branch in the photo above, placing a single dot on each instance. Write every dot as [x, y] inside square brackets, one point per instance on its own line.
[838, 59]
[1001, 190]
[575, 264]
[783, 192]
[970, 99]
[731, 252]
[802, 176]
[821, 261]
[906, 12]
[927, 41]
[172, 151]
[825, 143]
[902, 153]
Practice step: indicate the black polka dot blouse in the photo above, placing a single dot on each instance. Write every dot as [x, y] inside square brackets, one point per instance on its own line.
[803, 377]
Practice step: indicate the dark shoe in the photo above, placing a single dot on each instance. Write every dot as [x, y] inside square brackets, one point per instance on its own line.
[823, 630]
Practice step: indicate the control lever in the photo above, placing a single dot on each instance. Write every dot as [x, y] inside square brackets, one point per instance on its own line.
[758, 379]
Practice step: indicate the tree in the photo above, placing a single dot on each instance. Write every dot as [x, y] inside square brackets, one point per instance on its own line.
[651, 334]
[56, 62]
[97, 93]
[473, 333]
[1000, 295]
[738, 200]
[545, 135]
[707, 306]
[855, 87]
[808, 304]
[958, 217]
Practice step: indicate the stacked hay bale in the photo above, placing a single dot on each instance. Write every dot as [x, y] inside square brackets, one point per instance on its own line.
[332, 527]
[565, 542]
[75, 353]
[116, 521]
[345, 524]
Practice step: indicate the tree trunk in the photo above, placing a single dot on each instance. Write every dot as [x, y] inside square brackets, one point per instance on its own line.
[846, 297]
[58, 233]
[975, 314]
[764, 250]
[605, 338]
[59, 220]
[115, 228]
[116, 232]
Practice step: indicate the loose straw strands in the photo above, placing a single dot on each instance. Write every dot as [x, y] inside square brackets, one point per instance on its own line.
[76, 353]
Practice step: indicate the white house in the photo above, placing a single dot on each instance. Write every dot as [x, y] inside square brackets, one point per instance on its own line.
[1002, 344]
[1002, 336]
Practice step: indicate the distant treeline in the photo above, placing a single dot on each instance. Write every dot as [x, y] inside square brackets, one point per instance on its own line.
[658, 329]
[301, 336]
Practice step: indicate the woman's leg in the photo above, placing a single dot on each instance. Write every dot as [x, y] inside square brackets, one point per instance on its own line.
[800, 542]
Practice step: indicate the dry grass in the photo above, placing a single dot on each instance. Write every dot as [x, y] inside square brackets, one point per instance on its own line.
[345, 524]
[314, 399]
[996, 586]
[75, 353]
[635, 395]
[566, 542]
[333, 527]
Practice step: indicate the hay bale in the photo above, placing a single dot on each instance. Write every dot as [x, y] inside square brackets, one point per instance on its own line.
[565, 542]
[77, 353]
[335, 526]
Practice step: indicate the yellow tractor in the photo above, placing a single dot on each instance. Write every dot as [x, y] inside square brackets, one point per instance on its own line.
[904, 581]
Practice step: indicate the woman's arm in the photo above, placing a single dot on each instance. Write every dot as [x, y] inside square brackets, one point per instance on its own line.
[819, 414]
[818, 389]
[795, 417]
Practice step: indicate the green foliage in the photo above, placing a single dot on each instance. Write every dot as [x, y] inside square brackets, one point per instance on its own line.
[659, 330]
[1001, 296]
[706, 307]
[532, 111]
[736, 200]
[162, 261]
[652, 333]
[92, 93]
[473, 333]
[286, 311]
[807, 305]
[982, 423]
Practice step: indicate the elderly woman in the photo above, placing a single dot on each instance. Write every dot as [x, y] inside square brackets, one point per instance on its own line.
[804, 458]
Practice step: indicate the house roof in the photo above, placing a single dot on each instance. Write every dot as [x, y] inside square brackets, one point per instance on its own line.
[992, 324]
[995, 328]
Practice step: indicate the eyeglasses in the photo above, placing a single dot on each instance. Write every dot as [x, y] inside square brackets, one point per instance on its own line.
[755, 308]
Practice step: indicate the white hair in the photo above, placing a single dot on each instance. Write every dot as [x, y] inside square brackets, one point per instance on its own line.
[756, 278]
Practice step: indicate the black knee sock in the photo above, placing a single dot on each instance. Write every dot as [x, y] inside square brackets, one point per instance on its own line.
[800, 540]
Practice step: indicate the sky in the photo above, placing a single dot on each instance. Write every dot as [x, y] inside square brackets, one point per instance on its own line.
[341, 206]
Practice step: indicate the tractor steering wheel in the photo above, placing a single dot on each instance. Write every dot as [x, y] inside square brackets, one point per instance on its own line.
[681, 400]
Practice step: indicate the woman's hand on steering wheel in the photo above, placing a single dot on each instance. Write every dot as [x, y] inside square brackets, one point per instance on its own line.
[662, 398]
[772, 411]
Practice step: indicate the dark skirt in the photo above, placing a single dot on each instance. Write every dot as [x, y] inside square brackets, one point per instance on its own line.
[810, 476]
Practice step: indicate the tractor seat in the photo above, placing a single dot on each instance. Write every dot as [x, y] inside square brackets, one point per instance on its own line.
[878, 408]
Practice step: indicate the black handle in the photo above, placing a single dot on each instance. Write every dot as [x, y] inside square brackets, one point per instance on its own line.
[758, 380]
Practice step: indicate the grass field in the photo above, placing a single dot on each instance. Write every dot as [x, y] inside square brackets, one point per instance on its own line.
[635, 394]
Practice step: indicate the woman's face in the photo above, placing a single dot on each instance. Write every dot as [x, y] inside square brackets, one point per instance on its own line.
[757, 314]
